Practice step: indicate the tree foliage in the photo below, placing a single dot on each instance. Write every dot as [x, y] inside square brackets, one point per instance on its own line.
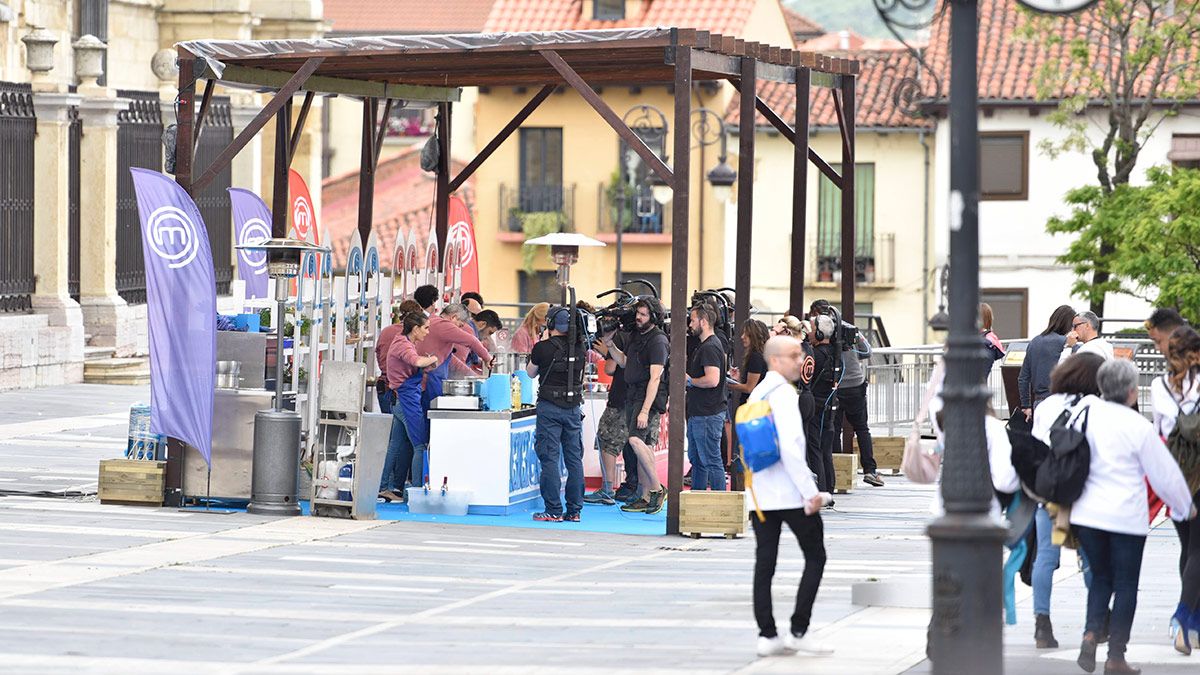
[1136, 61]
[1155, 230]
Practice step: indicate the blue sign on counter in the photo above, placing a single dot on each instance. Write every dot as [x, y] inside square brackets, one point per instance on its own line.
[524, 467]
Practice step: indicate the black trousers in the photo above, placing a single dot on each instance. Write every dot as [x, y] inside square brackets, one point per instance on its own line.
[1189, 560]
[810, 532]
[853, 402]
[823, 433]
[809, 413]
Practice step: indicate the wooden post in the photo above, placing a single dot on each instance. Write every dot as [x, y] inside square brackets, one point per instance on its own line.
[800, 192]
[849, 268]
[442, 194]
[745, 203]
[366, 172]
[279, 187]
[680, 210]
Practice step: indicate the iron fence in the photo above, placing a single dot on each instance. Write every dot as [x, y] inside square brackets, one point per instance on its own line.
[139, 144]
[213, 200]
[18, 128]
[553, 202]
[633, 209]
[74, 139]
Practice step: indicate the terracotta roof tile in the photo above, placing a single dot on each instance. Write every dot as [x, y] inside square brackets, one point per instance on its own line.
[403, 201]
[720, 16]
[875, 89]
[407, 16]
[848, 41]
[801, 25]
[1008, 63]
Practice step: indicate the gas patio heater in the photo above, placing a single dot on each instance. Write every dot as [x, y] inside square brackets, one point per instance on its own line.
[564, 252]
[276, 464]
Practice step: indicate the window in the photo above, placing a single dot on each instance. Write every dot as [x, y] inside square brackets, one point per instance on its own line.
[829, 225]
[1010, 311]
[541, 170]
[637, 211]
[1185, 151]
[609, 10]
[410, 122]
[538, 287]
[1004, 165]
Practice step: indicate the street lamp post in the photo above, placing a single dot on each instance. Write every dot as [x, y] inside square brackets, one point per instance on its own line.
[966, 634]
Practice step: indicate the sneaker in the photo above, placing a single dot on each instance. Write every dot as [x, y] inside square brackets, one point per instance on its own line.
[599, 497]
[391, 496]
[657, 501]
[770, 646]
[571, 518]
[873, 479]
[547, 518]
[805, 644]
[626, 494]
[636, 505]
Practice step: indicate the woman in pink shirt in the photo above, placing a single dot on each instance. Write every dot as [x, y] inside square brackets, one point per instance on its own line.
[531, 328]
[410, 430]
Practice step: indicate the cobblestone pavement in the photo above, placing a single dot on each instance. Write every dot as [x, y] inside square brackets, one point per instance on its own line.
[86, 587]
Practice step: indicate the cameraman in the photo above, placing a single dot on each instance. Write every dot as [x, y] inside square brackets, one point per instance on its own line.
[645, 364]
[559, 432]
[824, 387]
[852, 399]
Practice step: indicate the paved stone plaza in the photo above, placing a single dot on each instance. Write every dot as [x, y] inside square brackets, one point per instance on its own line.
[92, 588]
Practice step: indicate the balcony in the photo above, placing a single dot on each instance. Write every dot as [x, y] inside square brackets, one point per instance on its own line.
[874, 263]
[634, 208]
[537, 209]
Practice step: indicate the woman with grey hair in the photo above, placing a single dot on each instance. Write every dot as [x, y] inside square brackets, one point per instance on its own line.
[1111, 518]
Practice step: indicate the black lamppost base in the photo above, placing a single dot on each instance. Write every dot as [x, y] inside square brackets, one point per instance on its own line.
[967, 561]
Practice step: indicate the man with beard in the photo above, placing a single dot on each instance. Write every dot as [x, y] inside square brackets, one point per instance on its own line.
[645, 364]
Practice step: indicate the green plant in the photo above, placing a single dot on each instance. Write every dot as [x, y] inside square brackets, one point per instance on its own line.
[538, 224]
[264, 316]
[620, 197]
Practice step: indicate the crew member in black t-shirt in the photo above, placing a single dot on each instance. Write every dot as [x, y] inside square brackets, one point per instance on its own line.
[706, 401]
[612, 437]
[559, 418]
[826, 360]
[645, 366]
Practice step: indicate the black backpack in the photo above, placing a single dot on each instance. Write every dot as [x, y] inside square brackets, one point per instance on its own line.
[1184, 442]
[1061, 477]
[1028, 452]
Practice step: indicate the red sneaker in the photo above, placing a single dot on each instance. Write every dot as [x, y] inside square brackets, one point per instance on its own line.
[547, 518]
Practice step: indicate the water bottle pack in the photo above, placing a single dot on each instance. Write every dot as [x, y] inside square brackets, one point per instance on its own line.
[143, 445]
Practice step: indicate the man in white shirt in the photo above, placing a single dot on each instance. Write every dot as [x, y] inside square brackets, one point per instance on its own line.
[786, 493]
[1085, 337]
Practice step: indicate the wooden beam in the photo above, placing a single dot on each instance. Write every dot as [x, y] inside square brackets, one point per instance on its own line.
[790, 134]
[184, 141]
[680, 231]
[294, 141]
[273, 106]
[379, 136]
[848, 200]
[208, 92]
[799, 194]
[442, 184]
[502, 136]
[593, 99]
[708, 62]
[275, 79]
[366, 169]
[745, 204]
[279, 186]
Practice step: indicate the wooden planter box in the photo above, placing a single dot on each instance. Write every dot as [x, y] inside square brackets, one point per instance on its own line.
[845, 469]
[130, 481]
[706, 512]
[888, 451]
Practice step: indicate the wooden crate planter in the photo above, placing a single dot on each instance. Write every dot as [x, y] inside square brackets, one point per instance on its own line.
[129, 481]
[706, 512]
[888, 451]
[845, 469]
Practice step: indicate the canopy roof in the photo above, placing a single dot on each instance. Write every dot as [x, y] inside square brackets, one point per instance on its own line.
[383, 65]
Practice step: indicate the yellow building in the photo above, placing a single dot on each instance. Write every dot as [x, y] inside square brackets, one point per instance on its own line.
[565, 167]
[72, 283]
[893, 153]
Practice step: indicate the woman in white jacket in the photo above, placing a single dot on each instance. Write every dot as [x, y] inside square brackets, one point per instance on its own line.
[1111, 518]
[786, 493]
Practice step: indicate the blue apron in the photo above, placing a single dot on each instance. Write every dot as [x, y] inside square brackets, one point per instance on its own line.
[408, 397]
[433, 381]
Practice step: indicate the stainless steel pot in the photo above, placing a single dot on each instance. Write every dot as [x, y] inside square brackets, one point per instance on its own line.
[458, 387]
[228, 374]
[508, 363]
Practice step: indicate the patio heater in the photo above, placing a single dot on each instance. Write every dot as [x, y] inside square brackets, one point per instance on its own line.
[276, 464]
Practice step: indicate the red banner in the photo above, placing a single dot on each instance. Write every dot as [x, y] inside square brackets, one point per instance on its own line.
[304, 218]
[462, 233]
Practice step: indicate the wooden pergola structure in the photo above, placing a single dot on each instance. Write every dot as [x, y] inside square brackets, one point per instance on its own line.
[431, 69]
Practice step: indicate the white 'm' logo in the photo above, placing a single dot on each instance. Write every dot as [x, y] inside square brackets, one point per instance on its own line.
[254, 231]
[460, 234]
[173, 236]
[302, 217]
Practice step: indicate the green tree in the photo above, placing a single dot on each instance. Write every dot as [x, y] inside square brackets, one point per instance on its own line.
[1135, 61]
[1155, 230]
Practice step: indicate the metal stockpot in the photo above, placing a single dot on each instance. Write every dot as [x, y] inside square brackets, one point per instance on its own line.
[228, 374]
[458, 387]
[508, 363]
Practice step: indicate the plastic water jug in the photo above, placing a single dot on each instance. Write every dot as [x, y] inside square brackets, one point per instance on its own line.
[528, 397]
[497, 392]
[346, 482]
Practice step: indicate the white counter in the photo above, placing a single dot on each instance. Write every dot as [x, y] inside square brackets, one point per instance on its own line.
[489, 453]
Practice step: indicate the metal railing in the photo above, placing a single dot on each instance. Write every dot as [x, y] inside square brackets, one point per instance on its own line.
[898, 377]
[518, 203]
[635, 209]
[874, 262]
[18, 128]
[139, 144]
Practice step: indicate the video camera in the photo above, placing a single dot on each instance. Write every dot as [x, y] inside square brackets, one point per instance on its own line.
[847, 334]
[719, 301]
[622, 313]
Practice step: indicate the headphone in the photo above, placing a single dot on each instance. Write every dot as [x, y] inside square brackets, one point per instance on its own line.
[654, 307]
[818, 334]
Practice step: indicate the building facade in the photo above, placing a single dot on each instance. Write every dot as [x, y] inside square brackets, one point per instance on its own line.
[71, 278]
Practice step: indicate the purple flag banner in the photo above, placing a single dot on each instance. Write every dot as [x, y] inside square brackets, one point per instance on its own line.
[181, 308]
[251, 224]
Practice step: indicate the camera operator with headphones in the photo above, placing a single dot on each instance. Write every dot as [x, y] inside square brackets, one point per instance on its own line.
[645, 365]
[559, 433]
[826, 371]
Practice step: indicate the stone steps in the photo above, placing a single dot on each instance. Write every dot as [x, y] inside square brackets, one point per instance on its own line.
[98, 353]
[128, 371]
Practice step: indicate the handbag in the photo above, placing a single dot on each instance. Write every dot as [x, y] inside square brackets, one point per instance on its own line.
[917, 464]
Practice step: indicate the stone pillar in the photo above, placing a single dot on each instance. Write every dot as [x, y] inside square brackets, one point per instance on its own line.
[60, 357]
[105, 314]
